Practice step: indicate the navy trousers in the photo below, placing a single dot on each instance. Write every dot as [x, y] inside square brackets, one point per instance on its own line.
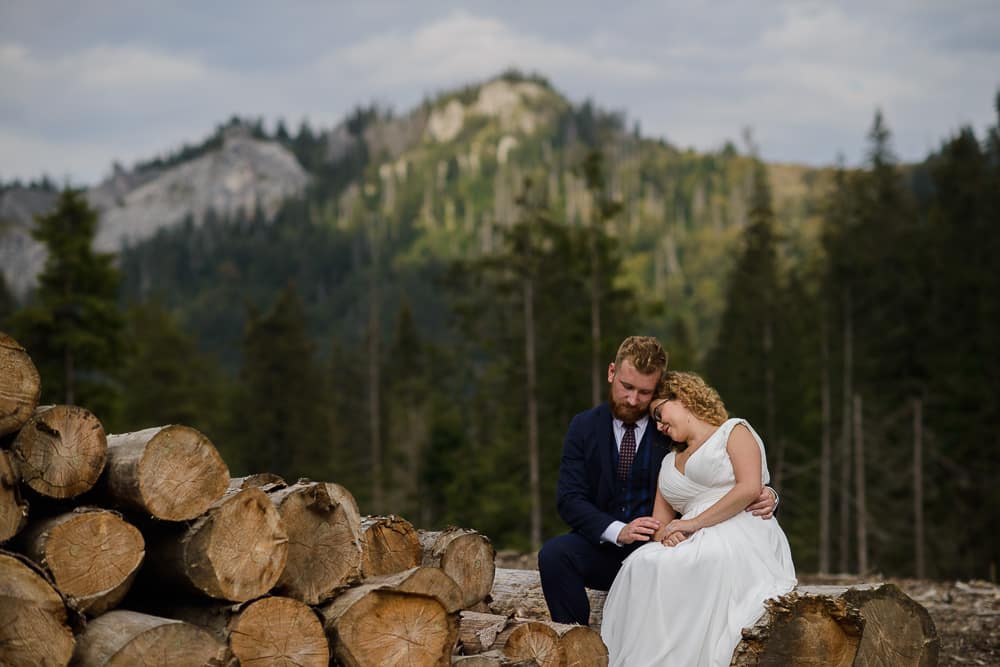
[568, 564]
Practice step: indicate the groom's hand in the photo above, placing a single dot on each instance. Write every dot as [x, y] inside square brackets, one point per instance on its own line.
[640, 529]
[765, 503]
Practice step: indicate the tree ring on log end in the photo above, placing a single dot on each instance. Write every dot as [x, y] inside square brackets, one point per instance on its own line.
[181, 474]
[389, 628]
[535, 641]
[279, 630]
[20, 385]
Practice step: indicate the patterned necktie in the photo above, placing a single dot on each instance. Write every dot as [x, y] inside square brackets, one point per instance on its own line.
[626, 454]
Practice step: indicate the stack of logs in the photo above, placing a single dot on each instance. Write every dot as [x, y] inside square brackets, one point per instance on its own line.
[139, 549]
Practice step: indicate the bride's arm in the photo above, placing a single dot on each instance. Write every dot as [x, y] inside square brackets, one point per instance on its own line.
[664, 513]
[745, 456]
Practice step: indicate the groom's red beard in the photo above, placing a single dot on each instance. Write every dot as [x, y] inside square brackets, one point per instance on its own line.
[627, 413]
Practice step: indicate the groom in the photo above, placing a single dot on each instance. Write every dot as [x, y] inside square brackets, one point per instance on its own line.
[607, 483]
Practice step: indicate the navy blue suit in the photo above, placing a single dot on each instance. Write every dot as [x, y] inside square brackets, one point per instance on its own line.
[590, 498]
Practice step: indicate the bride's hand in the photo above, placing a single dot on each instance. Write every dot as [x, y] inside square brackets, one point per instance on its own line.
[677, 531]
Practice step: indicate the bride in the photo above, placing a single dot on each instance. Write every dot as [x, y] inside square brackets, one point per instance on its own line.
[683, 598]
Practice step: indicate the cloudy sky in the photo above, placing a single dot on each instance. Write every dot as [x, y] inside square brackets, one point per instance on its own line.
[83, 84]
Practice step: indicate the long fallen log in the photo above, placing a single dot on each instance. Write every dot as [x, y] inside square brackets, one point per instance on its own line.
[869, 624]
[33, 618]
[13, 508]
[236, 551]
[60, 451]
[20, 385]
[92, 555]
[324, 540]
[268, 631]
[172, 473]
[466, 556]
[390, 544]
[370, 625]
[129, 638]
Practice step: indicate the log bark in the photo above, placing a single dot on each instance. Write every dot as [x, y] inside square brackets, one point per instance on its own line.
[33, 619]
[868, 624]
[519, 593]
[490, 659]
[92, 555]
[324, 540]
[423, 580]
[546, 643]
[13, 509]
[129, 639]
[61, 450]
[235, 551]
[173, 473]
[466, 556]
[369, 625]
[268, 631]
[20, 385]
[390, 544]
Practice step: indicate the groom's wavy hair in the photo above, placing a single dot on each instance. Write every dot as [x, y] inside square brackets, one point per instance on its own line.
[645, 353]
[694, 394]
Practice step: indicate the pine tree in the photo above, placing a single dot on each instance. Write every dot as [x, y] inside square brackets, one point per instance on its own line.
[72, 326]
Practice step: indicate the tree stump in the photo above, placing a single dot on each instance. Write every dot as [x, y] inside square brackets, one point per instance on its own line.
[235, 551]
[389, 545]
[173, 473]
[267, 631]
[91, 553]
[369, 626]
[33, 620]
[424, 580]
[61, 450]
[130, 639]
[466, 556]
[324, 540]
[867, 624]
[20, 385]
[13, 509]
[546, 643]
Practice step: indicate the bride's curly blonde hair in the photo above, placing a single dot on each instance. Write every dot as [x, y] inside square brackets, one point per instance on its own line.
[694, 394]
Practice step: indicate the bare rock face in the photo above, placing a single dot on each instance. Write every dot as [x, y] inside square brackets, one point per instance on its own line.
[21, 257]
[243, 175]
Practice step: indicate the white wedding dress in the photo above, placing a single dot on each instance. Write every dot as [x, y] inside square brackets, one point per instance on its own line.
[686, 605]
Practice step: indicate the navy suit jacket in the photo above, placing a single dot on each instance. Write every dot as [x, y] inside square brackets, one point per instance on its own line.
[589, 495]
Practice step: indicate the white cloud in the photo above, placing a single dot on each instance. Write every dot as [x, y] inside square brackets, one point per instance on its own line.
[465, 47]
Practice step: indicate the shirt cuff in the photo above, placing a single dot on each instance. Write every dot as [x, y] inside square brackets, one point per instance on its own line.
[611, 533]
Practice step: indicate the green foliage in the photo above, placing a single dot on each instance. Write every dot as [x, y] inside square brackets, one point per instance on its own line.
[73, 326]
[278, 416]
[169, 380]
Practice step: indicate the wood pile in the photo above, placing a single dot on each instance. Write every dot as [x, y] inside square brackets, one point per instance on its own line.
[139, 549]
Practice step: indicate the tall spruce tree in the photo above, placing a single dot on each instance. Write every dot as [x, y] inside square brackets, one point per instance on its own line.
[278, 409]
[72, 325]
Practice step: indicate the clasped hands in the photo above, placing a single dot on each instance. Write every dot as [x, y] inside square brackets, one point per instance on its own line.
[645, 528]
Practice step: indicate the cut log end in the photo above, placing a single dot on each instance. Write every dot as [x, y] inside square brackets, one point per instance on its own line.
[390, 544]
[13, 509]
[61, 451]
[33, 620]
[240, 551]
[173, 473]
[20, 385]
[324, 536]
[536, 641]
[466, 556]
[384, 627]
[93, 556]
[279, 631]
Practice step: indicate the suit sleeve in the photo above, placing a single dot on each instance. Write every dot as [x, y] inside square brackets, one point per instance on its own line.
[577, 497]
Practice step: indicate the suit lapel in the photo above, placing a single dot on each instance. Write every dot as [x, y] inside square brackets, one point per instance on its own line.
[609, 452]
